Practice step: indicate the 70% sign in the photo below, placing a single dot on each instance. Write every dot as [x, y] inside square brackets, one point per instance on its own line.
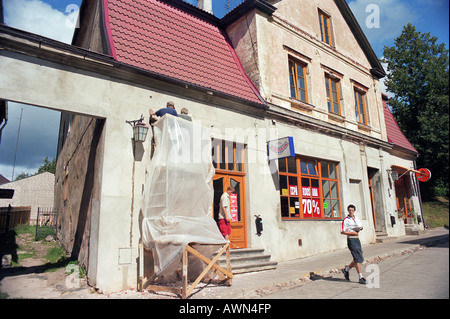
[311, 207]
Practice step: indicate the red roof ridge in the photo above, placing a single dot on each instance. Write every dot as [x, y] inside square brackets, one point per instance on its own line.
[393, 131]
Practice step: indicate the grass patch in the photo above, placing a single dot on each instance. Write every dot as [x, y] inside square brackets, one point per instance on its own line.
[21, 244]
[54, 254]
[436, 213]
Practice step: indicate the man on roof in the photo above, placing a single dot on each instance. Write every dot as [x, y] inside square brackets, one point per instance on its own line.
[169, 109]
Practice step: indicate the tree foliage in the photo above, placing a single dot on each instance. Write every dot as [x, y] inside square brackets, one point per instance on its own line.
[418, 78]
[47, 166]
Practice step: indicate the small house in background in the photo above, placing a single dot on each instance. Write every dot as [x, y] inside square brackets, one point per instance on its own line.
[3, 180]
[35, 191]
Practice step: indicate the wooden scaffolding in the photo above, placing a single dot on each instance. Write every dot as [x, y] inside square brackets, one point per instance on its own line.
[225, 275]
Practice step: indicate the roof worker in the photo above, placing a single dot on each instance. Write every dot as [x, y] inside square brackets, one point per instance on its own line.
[169, 109]
[184, 114]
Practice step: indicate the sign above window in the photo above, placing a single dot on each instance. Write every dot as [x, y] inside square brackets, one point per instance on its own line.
[281, 148]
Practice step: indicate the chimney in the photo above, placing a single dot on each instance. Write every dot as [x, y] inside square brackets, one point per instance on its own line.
[205, 5]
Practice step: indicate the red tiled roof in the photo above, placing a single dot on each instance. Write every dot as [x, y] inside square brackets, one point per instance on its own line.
[394, 134]
[158, 37]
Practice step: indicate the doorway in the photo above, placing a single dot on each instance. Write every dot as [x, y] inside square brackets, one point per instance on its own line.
[221, 182]
[376, 198]
[402, 194]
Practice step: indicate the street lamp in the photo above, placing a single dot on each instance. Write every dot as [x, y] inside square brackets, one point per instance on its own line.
[140, 129]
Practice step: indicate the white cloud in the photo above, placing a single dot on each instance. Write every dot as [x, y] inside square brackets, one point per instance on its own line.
[38, 17]
[38, 138]
[393, 15]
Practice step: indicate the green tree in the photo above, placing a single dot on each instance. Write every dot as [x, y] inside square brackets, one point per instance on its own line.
[418, 78]
[48, 166]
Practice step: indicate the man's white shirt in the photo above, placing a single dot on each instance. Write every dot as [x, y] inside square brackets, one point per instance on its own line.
[351, 224]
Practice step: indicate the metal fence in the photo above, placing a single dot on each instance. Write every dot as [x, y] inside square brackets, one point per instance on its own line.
[46, 222]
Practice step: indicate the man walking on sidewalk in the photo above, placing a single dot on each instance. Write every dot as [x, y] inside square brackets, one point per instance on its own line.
[351, 226]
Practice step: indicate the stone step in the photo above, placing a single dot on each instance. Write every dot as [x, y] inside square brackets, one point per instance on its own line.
[414, 231]
[245, 260]
[238, 260]
[385, 238]
[245, 268]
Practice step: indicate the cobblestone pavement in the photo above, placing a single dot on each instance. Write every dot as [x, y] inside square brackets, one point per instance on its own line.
[423, 273]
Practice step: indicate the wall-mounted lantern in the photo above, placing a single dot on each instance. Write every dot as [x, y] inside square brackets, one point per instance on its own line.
[393, 174]
[140, 129]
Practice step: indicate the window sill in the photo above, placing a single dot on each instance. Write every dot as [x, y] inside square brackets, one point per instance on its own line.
[298, 105]
[336, 117]
[364, 127]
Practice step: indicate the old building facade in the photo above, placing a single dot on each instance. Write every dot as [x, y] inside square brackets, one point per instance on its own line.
[271, 76]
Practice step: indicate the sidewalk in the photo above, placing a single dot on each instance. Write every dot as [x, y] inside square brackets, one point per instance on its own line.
[295, 272]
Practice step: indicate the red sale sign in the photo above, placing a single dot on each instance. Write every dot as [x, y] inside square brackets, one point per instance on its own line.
[293, 190]
[234, 207]
[311, 206]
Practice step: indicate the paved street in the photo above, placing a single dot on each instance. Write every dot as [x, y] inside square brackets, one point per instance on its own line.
[421, 274]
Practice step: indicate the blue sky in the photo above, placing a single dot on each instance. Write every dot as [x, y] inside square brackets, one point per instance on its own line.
[55, 19]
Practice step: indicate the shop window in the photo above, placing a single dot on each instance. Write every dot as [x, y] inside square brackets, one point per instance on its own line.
[309, 189]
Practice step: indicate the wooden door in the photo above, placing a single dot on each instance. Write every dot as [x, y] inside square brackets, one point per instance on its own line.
[238, 236]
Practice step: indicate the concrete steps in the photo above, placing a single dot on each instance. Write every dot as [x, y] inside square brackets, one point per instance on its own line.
[383, 237]
[411, 229]
[246, 260]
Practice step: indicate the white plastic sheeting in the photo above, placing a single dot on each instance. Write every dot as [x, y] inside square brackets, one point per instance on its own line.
[178, 196]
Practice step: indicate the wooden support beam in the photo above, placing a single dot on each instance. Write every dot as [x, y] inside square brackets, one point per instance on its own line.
[225, 275]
